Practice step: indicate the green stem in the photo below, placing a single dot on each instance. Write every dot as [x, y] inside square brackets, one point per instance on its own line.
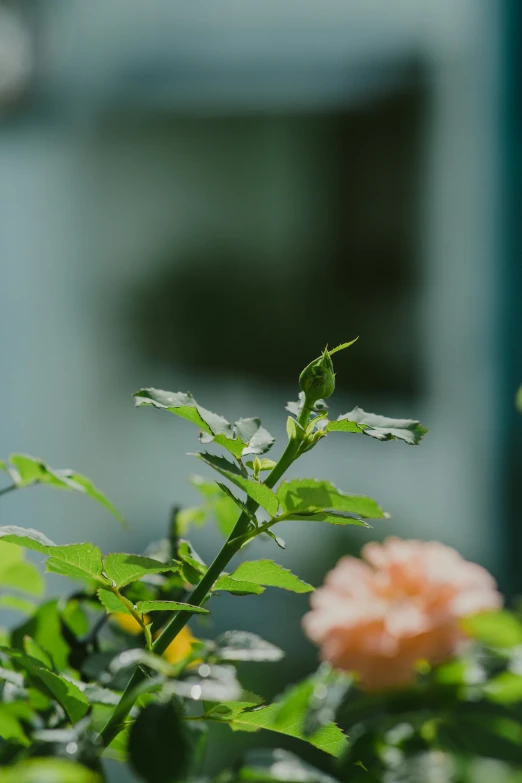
[180, 619]
[8, 489]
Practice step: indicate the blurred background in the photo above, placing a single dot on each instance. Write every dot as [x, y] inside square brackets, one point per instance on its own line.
[200, 196]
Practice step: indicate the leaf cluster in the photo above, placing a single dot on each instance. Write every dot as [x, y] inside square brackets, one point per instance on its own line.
[111, 670]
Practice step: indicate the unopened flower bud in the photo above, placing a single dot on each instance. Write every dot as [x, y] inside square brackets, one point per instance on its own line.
[317, 380]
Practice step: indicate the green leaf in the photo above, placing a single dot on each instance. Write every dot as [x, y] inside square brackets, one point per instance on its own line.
[342, 346]
[30, 470]
[85, 485]
[124, 569]
[74, 560]
[279, 541]
[504, 688]
[65, 692]
[184, 405]
[246, 436]
[44, 626]
[219, 502]
[36, 651]
[245, 646]
[309, 498]
[188, 555]
[494, 629]
[144, 607]
[242, 507]
[330, 738]
[226, 582]
[380, 427]
[17, 573]
[192, 516]
[112, 603]
[257, 440]
[226, 711]
[279, 766]
[258, 492]
[160, 747]
[77, 561]
[17, 604]
[48, 770]
[270, 574]
[316, 699]
[27, 537]
[11, 727]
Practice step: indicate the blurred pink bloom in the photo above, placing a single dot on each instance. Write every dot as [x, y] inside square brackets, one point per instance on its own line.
[399, 605]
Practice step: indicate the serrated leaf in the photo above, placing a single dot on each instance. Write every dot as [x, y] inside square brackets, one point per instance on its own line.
[112, 603]
[329, 739]
[123, 569]
[226, 582]
[168, 606]
[260, 493]
[27, 537]
[184, 405]
[343, 425]
[75, 560]
[17, 573]
[270, 574]
[30, 470]
[379, 427]
[311, 497]
[244, 437]
[249, 437]
[279, 766]
[257, 442]
[342, 346]
[245, 646]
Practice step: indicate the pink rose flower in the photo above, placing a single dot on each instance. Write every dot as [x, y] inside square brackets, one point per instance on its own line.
[400, 604]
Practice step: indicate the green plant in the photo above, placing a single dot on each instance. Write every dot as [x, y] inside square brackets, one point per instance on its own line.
[76, 688]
